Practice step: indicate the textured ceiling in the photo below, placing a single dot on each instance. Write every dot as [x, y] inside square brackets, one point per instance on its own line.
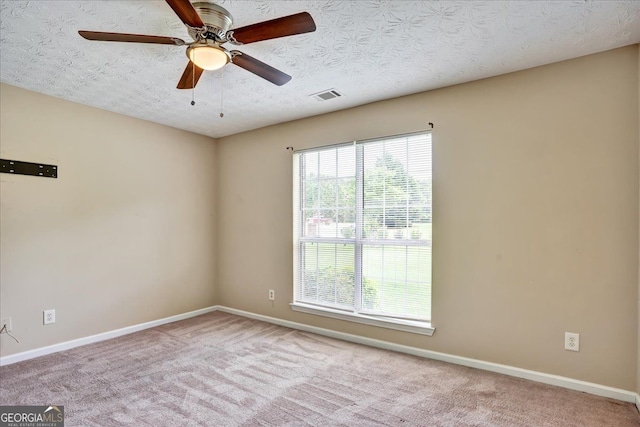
[368, 50]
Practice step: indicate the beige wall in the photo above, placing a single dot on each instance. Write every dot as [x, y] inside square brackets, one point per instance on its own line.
[125, 235]
[535, 215]
[638, 313]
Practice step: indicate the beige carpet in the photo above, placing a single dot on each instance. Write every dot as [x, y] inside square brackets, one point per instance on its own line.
[223, 370]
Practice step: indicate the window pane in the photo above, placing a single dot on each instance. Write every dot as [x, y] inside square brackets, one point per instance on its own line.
[346, 161]
[318, 222]
[347, 192]
[372, 224]
[346, 223]
[328, 163]
[327, 274]
[328, 192]
[389, 188]
[420, 231]
[397, 281]
[374, 176]
[310, 193]
[419, 179]
[309, 163]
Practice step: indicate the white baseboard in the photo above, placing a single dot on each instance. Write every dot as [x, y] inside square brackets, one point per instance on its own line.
[556, 380]
[30, 354]
[569, 383]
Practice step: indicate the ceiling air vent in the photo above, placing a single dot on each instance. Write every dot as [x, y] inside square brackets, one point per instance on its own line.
[326, 95]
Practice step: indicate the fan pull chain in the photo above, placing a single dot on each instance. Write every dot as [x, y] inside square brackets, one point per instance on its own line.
[193, 84]
[221, 92]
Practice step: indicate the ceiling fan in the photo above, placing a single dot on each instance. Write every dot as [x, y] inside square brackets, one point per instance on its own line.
[210, 26]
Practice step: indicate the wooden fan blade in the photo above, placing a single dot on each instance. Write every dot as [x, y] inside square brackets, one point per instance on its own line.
[281, 27]
[131, 38]
[185, 11]
[259, 68]
[190, 77]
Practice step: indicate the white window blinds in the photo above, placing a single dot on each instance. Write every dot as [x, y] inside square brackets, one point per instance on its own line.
[363, 217]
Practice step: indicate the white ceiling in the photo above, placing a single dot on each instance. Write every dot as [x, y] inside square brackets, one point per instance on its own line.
[368, 50]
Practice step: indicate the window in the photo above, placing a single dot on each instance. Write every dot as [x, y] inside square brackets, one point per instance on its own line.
[362, 218]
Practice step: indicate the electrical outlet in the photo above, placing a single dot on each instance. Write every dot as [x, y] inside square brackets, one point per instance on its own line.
[6, 322]
[571, 341]
[272, 295]
[49, 316]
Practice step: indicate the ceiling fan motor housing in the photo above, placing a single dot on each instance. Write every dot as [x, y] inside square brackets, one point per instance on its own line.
[217, 21]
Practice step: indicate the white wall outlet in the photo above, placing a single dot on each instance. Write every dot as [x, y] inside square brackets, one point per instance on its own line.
[571, 341]
[272, 295]
[6, 322]
[48, 317]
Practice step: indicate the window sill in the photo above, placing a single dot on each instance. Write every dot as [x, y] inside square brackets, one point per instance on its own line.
[423, 328]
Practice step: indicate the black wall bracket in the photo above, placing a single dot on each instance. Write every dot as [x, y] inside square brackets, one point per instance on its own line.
[27, 168]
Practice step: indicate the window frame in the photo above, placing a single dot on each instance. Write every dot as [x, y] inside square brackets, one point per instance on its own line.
[423, 327]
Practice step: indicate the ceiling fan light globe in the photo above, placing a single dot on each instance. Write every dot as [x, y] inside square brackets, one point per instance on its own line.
[208, 57]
